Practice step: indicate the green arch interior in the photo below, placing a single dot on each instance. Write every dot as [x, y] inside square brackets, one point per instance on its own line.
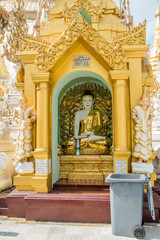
[68, 81]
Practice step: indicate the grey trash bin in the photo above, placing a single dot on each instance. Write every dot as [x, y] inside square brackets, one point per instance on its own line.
[126, 193]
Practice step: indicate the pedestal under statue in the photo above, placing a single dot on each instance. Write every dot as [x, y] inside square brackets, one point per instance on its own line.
[24, 117]
[88, 128]
[142, 116]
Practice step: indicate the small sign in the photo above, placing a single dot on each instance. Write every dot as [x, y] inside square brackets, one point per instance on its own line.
[81, 61]
[121, 167]
[41, 166]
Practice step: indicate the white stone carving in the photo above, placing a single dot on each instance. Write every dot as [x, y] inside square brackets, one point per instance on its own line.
[24, 167]
[142, 167]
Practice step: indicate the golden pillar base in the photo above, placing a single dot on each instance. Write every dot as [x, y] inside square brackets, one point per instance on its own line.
[32, 182]
[41, 180]
[42, 183]
[23, 182]
[94, 167]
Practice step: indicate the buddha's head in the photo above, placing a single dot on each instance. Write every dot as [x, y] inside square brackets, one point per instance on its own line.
[23, 102]
[144, 101]
[87, 100]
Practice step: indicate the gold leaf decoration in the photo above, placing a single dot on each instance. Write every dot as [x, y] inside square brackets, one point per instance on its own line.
[113, 54]
[16, 28]
[4, 19]
[31, 43]
[78, 4]
[136, 36]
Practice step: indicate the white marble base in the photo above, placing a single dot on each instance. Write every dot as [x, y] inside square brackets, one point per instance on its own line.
[142, 167]
[24, 167]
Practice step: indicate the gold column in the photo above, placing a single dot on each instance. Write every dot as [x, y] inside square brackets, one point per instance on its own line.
[120, 133]
[42, 89]
[135, 56]
[42, 182]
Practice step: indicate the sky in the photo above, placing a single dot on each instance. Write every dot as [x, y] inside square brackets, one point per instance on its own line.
[144, 10]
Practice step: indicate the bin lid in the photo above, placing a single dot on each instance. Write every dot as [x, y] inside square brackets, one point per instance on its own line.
[115, 178]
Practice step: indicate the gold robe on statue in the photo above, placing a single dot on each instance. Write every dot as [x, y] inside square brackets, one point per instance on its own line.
[90, 131]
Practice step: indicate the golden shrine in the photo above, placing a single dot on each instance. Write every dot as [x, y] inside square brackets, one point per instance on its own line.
[84, 45]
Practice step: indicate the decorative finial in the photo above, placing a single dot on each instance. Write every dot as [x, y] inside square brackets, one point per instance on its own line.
[158, 9]
[157, 15]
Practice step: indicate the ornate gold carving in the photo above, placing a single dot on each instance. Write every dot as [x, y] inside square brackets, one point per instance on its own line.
[4, 15]
[136, 36]
[87, 151]
[113, 54]
[95, 167]
[31, 43]
[70, 13]
[4, 19]
[16, 28]
[71, 103]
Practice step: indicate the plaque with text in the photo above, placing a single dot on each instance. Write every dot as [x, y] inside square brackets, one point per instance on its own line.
[121, 166]
[81, 61]
[41, 166]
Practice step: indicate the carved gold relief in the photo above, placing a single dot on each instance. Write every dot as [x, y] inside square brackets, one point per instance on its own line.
[112, 53]
[83, 167]
[31, 43]
[70, 13]
[16, 28]
[4, 19]
[136, 36]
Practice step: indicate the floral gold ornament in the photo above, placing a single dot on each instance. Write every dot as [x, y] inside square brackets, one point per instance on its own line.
[70, 13]
[31, 43]
[4, 19]
[135, 36]
[16, 28]
[112, 53]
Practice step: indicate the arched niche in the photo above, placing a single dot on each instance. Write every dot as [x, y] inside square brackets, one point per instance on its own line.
[65, 83]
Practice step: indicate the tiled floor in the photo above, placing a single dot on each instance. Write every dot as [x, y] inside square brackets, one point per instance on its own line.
[20, 229]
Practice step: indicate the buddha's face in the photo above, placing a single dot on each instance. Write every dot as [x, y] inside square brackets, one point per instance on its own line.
[144, 102]
[87, 102]
[22, 105]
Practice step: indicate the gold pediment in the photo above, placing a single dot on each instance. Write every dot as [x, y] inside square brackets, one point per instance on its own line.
[70, 13]
[112, 53]
[136, 36]
[31, 43]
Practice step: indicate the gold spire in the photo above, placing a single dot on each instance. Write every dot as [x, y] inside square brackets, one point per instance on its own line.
[157, 15]
[155, 53]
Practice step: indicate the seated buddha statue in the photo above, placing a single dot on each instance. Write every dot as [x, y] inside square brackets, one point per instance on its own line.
[88, 126]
